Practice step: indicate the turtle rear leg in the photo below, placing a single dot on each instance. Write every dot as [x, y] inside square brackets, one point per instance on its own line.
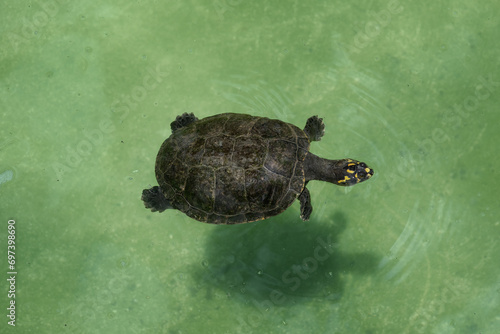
[315, 128]
[153, 199]
[182, 121]
[305, 204]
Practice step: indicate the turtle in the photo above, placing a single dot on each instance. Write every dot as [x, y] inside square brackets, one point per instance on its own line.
[235, 168]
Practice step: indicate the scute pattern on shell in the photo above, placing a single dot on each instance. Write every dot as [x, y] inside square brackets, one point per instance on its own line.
[233, 168]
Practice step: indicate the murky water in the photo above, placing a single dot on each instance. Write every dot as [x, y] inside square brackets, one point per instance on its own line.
[88, 92]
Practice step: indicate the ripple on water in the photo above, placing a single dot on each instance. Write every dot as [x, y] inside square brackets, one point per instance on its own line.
[6, 176]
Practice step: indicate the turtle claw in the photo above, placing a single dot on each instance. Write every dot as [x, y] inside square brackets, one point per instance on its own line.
[153, 199]
[315, 128]
[305, 205]
[182, 121]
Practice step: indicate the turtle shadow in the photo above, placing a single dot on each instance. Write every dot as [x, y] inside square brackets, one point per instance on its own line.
[279, 261]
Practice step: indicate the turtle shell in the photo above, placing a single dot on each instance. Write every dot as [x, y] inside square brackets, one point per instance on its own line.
[232, 168]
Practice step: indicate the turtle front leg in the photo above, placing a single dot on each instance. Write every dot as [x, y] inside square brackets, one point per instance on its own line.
[153, 199]
[305, 204]
[315, 128]
[182, 121]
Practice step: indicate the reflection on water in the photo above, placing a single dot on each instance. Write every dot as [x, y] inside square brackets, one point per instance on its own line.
[280, 262]
[256, 96]
[422, 232]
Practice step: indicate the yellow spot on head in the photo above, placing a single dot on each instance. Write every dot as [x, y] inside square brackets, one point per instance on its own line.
[346, 178]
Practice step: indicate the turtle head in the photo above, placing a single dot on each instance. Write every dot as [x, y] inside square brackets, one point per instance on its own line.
[351, 172]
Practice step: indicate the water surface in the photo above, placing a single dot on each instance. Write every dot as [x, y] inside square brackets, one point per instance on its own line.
[88, 92]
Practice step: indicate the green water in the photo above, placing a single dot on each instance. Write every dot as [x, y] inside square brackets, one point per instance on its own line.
[88, 91]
